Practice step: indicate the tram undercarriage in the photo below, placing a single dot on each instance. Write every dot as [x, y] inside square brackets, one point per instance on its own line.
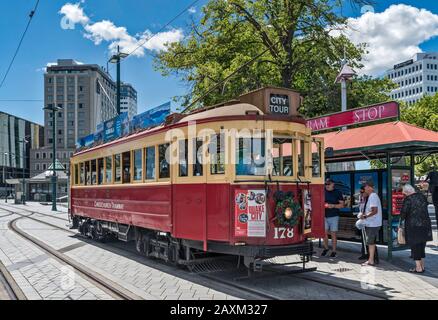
[183, 252]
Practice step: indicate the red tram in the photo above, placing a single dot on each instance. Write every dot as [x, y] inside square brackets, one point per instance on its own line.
[242, 178]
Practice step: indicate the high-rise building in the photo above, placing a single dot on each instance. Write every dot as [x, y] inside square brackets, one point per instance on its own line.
[13, 131]
[415, 78]
[85, 95]
[128, 100]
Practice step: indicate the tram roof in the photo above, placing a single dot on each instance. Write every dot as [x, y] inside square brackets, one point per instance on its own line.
[237, 109]
[397, 137]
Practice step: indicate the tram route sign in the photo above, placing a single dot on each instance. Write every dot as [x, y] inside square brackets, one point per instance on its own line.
[356, 116]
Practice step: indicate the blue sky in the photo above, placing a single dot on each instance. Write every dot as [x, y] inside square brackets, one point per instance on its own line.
[46, 41]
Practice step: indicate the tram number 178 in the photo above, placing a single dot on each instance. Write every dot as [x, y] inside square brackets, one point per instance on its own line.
[283, 233]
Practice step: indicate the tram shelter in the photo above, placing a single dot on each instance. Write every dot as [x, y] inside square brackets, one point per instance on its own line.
[387, 144]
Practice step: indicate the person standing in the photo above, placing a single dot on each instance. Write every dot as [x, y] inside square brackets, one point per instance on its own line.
[417, 225]
[432, 179]
[334, 200]
[363, 198]
[373, 217]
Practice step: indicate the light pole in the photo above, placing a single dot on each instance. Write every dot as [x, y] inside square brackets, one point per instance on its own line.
[23, 179]
[116, 59]
[4, 176]
[53, 109]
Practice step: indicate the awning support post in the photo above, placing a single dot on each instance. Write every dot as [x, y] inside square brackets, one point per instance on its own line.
[389, 204]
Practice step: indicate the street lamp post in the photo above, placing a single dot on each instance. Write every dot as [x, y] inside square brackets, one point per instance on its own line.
[53, 109]
[116, 59]
[23, 179]
[4, 175]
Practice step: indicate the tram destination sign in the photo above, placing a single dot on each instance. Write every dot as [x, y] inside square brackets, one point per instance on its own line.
[279, 104]
[356, 116]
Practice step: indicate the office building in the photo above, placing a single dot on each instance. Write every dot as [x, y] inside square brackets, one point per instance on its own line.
[85, 95]
[13, 131]
[128, 100]
[415, 78]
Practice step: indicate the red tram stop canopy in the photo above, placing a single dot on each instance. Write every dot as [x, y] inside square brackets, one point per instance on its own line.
[397, 137]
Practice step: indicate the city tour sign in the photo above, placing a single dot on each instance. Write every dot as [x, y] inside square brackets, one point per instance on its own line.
[356, 116]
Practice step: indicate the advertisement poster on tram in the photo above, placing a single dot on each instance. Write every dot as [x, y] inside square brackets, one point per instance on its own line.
[307, 205]
[250, 213]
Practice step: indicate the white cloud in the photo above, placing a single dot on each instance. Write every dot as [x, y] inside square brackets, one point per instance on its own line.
[392, 36]
[107, 31]
[74, 13]
[192, 10]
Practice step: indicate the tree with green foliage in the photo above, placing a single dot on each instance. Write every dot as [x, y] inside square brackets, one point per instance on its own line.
[295, 46]
[423, 114]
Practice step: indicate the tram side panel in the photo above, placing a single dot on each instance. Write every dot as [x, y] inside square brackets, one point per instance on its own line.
[146, 206]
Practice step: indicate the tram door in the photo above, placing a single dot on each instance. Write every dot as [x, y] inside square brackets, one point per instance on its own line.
[189, 191]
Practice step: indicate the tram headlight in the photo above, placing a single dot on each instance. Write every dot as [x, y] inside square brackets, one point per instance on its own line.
[288, 213]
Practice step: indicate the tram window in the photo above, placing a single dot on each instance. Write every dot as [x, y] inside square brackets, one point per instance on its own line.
[250, 157]
[197, 156]
[93, 172]
[76, 175]
[150, 163]
[126, 167]
[100, 171]
[82, 174]
[301, 152]
[183, 168]
[316, 159]
[282, 157]
[138, 167]
[164, 168]
[117, 168]
[217, 154]
[87, 173]
[108, 169]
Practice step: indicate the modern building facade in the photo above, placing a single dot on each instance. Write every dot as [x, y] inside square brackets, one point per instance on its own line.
[85, 95]
[128, 100]
[416, 78]
[13, 158]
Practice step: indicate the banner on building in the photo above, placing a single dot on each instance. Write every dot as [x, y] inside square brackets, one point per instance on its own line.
[250, 213]
[151, 117]
[116, 127]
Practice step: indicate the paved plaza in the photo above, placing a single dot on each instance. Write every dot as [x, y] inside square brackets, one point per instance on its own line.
[41, 276]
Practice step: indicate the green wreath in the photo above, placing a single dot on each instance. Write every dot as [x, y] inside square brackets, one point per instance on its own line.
[285, 201]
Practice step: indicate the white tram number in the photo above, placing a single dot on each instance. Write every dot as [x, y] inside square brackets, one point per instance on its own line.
[283, 233]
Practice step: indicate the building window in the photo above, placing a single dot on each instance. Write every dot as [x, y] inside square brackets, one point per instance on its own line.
[44, 166]
[37, 155]
[80, 105]
[37, 167]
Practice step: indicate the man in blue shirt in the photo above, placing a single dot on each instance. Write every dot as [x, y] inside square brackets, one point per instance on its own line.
[334, 200]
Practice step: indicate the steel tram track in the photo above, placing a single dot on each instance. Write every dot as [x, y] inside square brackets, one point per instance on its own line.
[263, 294]
[113, 289]
[8, 283]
